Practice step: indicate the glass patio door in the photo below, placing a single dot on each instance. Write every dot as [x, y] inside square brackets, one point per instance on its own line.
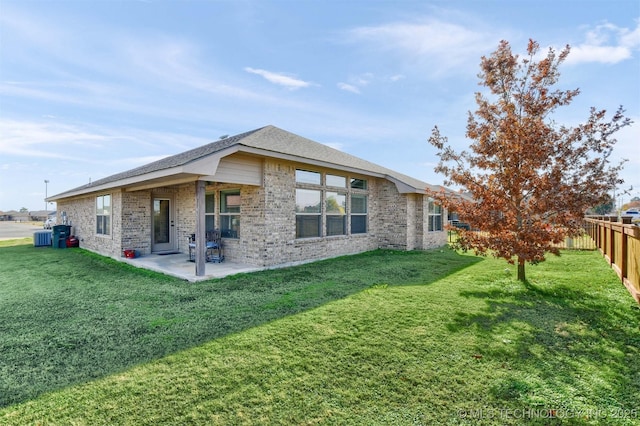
[163, 232]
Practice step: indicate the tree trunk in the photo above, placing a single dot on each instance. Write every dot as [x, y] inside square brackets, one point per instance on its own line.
[521, 276]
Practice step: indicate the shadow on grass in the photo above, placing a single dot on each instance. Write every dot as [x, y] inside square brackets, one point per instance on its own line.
[70, 316]
[560, 347]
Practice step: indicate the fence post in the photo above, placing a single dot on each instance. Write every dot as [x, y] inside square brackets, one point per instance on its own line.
[623, 254]
[612, 241]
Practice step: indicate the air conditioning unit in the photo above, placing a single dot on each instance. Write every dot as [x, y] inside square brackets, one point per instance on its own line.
[42, 238]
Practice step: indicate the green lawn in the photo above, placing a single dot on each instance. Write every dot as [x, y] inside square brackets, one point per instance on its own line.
[380, 338]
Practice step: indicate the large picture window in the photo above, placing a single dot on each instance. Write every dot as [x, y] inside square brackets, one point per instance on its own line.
[230, 213]
[435, 217]
[324, 210]
[103, 214]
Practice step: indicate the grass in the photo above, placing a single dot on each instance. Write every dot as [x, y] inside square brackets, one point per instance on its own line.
[379, 338]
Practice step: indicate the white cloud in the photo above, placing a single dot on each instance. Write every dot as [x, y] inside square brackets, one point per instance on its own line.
[363, 79]
[144, 60]
[357, 82]
[348, 88]
[606, 43]
[279, 78]
[604, 54]
[631, 38]
[53, 139]
[42, 139]
[435, 45]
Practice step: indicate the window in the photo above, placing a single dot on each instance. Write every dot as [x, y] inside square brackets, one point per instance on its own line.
[333, 180]
[435, 217]
[336, 209]
[308, 213]
[323, 210]
[210, 212]
[103, 214]
[358, 183]
[358, 214]
[305, 176]
[230, 213]
[161, 221]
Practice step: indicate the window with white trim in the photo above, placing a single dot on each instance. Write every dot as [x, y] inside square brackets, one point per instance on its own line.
[435, 217]
[103, 214]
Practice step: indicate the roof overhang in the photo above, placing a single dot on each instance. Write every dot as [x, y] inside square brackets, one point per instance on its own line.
[189, 172]
[205, 167]
[405, 188]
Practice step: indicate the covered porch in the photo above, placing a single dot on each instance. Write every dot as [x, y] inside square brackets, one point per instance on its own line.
[188, 208]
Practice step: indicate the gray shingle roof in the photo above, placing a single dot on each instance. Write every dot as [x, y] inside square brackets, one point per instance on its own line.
[271, 138]
[268, 139]
[168, 162]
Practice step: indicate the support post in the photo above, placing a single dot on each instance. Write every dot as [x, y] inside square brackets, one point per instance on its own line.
[200, 257]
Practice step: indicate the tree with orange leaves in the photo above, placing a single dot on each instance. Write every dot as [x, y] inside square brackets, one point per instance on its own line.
[529, 179]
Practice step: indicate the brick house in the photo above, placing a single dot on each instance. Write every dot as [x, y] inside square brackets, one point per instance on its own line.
[276, 197]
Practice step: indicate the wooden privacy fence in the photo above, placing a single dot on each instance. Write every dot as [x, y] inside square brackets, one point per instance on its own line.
[583, 242]
[619, 243]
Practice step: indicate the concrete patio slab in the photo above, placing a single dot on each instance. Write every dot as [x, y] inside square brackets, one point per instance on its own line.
[179, 266]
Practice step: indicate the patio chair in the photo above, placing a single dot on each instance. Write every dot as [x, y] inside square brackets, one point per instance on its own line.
[214, 251]
[213, 247]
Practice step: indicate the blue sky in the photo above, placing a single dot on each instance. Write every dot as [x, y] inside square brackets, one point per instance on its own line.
[92, 88]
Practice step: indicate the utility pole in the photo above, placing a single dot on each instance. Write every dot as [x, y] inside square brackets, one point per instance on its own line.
[46, 212]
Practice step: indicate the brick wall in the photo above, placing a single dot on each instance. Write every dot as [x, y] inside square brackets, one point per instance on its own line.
[136, 221]
[81, 212]
[389, 215]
